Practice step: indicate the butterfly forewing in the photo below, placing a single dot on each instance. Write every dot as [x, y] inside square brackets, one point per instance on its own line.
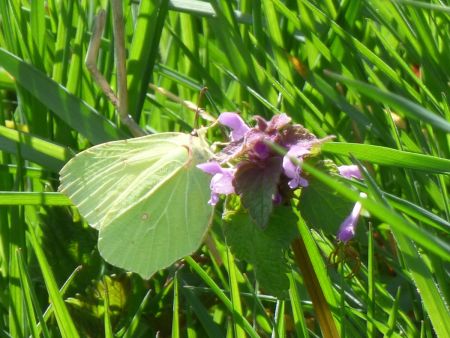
[95, 179]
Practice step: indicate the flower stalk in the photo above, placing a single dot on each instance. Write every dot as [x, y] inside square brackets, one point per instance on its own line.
[312, 284]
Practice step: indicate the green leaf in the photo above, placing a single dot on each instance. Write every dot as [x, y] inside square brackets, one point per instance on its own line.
[145, 196]
[398, 102]
[69, 108]
[62, 315]
[115, 288]
[323, 208]
[264, 248]
[208, 324]
[423, 279]
[144, 50]
[48, 154]
[33, 198]
[257, 184]
[388, 156]
[237, 317]
[421, 4]
[396, 221]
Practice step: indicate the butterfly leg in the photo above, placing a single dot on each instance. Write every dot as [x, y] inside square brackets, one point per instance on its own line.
[120, 101]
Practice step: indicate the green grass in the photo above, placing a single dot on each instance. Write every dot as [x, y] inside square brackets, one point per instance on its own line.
[373, 73]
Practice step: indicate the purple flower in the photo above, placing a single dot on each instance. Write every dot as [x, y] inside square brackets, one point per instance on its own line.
[237, 125]
[276, 123]
[261, 150]
[277, 198]
[221, 182]
[292, 170]
[347, 229]
[258, 174]
[350, 171]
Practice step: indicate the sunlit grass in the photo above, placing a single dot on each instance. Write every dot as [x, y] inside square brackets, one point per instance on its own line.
[374, 74]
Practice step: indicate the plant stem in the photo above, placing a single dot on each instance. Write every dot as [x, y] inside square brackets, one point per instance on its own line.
[320, 304]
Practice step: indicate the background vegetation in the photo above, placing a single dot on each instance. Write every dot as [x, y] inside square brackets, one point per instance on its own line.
[371, 72]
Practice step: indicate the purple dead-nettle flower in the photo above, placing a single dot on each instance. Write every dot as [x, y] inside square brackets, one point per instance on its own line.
[291, 169]
[274, 125]
[254, 146]
[350, 171]
[237, 125]
[221, 182]
[348, 227]
[261, 150]
[261, 176]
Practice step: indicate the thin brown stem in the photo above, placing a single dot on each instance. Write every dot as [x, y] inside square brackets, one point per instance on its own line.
[320, 304]
[92, 56]
[188, 104]
[119, 47]
[120, 102]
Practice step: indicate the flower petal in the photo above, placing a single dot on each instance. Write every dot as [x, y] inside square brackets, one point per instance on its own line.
[292, 170]
[261, 150]
[211, 168]
[348, 227]
[214, 199]
[236, 123]
[350, 171]
[279, 121]
[261, 123]
[277, 198]
[298, 181]
[300, 149]
[222, 183]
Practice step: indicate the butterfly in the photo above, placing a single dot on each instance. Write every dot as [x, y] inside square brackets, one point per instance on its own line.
[145, 196]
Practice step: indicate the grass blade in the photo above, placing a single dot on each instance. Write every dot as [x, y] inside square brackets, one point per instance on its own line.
[402, 104]
[388, 156]
[69, 108]
[62, 315]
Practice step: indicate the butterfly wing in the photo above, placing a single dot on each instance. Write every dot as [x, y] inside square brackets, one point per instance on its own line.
[167, 225]
[96, 178]
[145, 196]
